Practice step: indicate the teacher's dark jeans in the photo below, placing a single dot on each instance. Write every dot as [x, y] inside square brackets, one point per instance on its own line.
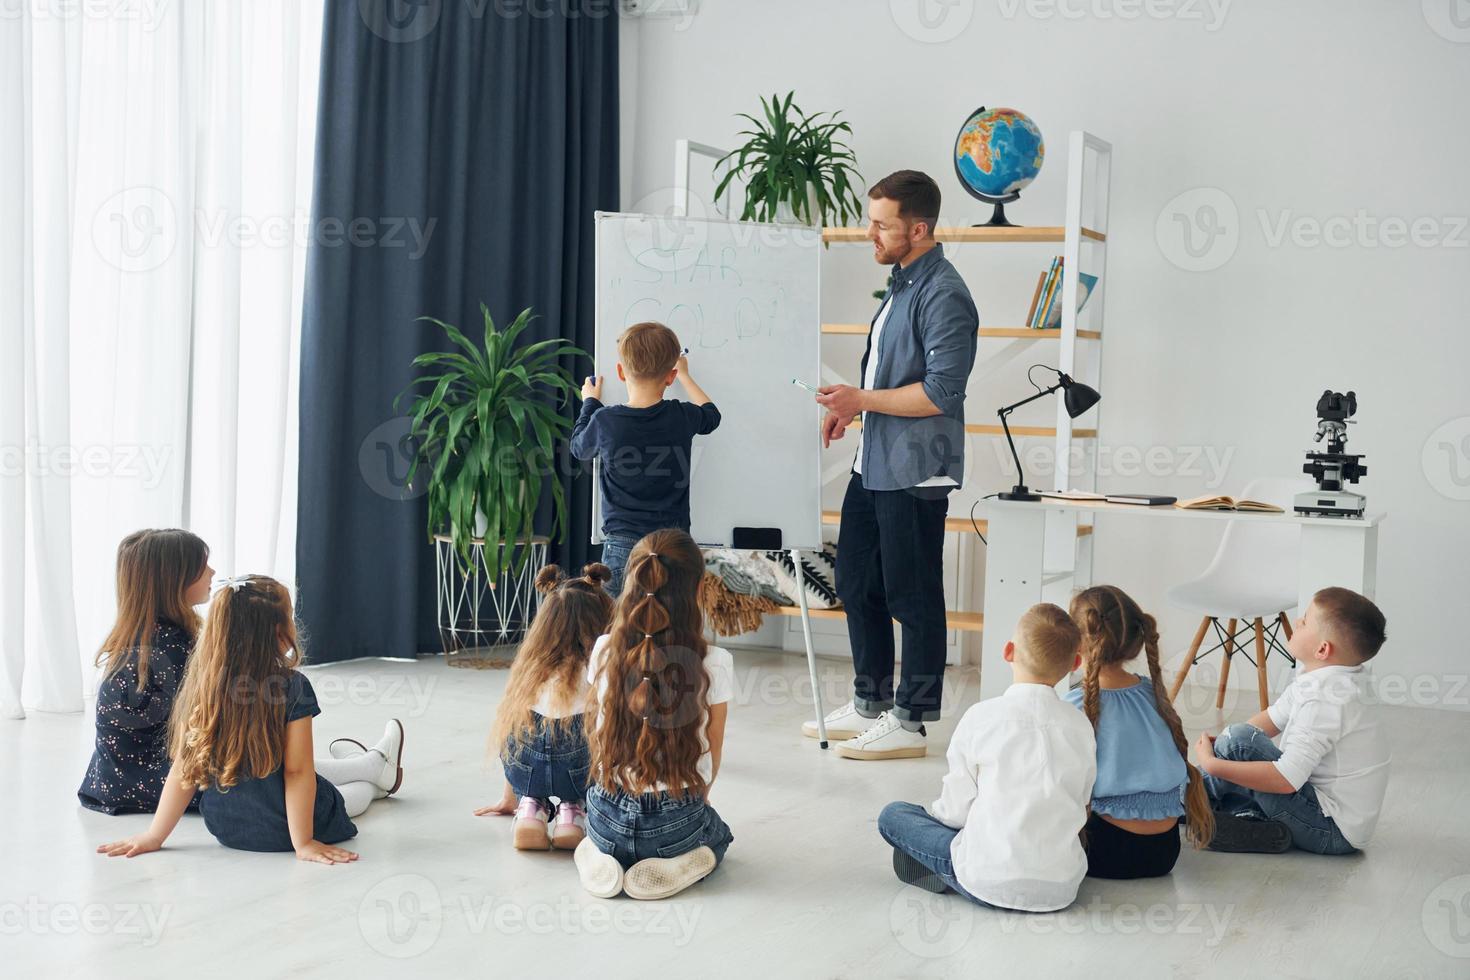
[890, 565]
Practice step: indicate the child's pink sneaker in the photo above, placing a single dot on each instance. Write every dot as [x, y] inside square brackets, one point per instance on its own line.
[530, 831]
[569, 827]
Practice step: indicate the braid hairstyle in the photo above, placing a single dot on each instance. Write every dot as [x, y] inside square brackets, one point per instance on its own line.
[573, 613]
[1114, 631]
[653, 691]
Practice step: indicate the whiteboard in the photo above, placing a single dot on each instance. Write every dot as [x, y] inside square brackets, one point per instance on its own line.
[743, 297]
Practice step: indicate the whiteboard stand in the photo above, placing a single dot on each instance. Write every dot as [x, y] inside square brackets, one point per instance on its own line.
[811, 655]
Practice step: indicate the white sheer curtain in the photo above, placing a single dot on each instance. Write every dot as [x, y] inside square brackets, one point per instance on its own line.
[155, 162]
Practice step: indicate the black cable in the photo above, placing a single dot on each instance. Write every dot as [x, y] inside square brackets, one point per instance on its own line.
[1033, 368]
[972, 518]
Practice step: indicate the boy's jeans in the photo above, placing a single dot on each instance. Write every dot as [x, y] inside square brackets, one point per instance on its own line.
[1311, 829]
[548, 764]
[615, 551]
[910, 828]
[653, 825]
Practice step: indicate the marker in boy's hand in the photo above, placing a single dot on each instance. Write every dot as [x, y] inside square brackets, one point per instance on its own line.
[592, 387]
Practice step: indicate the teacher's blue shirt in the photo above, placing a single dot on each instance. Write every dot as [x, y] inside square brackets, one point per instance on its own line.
[929, 338]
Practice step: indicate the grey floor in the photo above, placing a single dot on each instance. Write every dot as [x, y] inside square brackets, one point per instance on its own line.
[806, 890]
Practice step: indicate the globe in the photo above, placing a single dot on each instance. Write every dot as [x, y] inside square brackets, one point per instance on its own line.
[998, 153]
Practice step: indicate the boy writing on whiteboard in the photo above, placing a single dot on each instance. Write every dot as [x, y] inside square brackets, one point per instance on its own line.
[645, 446]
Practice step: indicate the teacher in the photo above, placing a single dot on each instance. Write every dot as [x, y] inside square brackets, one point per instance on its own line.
[910, 455]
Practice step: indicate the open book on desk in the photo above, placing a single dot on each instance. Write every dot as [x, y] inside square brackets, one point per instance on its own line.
[1229, 503]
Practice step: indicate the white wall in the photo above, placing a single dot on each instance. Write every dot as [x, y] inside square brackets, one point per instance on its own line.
[1300, 112]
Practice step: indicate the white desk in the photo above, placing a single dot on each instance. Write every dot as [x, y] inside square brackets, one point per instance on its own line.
[1334, 551]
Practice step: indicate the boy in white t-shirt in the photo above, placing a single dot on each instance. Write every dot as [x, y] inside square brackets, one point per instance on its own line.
[1322, 789]
[1021, 766]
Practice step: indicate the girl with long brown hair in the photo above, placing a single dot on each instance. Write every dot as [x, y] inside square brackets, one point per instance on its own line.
[662, 698]
[1145, 783]
[241, 735]
[161, 577]
[538, 734]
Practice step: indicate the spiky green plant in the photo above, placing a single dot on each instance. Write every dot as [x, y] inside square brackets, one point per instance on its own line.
[787, 152]
[486, 433]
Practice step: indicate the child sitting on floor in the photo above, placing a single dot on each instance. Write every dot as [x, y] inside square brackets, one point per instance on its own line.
[538, 733]
[1321, 790]
[662, 695]
[1004, 831]
[1144, 783]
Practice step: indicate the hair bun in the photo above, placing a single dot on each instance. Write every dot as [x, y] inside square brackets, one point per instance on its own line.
[549, 578]
[597, 572]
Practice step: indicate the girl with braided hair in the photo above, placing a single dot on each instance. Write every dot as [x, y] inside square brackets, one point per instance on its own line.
[538, 736]
[1144, 780]
[662, 696]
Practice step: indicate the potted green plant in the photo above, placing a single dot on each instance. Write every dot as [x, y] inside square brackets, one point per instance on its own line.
[795, 166]
[485, 433]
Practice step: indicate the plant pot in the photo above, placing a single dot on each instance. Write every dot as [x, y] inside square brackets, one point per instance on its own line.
[786, 214]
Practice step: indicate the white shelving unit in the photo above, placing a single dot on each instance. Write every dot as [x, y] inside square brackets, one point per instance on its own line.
[1083, 237]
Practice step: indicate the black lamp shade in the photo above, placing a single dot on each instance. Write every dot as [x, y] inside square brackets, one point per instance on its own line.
[1079, 398]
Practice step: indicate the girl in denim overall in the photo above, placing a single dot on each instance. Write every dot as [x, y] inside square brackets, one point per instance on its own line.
[539, 736]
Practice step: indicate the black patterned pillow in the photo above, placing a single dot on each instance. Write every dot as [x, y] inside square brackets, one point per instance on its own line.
[818, 572]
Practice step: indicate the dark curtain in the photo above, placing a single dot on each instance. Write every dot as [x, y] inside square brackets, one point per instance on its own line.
[460, 156]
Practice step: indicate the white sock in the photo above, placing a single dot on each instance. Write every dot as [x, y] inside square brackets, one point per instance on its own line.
[364, 767]
[358, 795]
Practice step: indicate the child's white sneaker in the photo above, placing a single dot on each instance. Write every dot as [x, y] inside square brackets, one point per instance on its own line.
[530, 831]
[390, 747]
[842, 724]
[601, 873]
[886, 738]
[655, 878]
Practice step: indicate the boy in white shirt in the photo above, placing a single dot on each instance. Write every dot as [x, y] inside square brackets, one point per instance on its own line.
[1322, 789]
[1021, 766]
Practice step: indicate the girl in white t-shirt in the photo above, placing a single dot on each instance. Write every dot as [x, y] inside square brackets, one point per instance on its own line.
[539, 736]
[662, 695]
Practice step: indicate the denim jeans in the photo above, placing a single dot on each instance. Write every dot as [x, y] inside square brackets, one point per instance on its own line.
[1311, 829]
[653, 825]
[615, 551]
[890, 565]
[548, 764]
[910, 828]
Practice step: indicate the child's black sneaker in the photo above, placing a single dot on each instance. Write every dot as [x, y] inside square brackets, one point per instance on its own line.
[1244, 835]
[911, 872]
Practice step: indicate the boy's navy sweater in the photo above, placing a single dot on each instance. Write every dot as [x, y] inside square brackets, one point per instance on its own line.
[645, 456]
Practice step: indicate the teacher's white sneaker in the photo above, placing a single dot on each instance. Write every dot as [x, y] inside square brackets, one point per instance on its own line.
[886, 738]
[842, 724]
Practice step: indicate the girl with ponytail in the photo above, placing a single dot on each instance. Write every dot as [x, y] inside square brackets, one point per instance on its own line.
[538, 734]
[1144, 780]
[662, 696]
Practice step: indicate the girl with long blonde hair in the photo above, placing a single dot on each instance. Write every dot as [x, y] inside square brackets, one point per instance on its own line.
[538, 735]
[241, 735]
[1145, 782]
[161, 577]
[662, 699]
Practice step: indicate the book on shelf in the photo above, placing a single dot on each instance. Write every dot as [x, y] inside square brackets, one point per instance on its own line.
[1228, 503]
[1046, 306]
[1141, 499]
[1031, 313]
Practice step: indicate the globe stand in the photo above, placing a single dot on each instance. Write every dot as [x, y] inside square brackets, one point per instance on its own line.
[997, 217]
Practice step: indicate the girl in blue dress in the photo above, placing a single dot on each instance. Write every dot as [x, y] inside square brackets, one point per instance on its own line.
[241, 735]
[161, 577]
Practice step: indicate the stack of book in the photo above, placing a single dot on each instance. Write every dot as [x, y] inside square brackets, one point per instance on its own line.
[1046, 302]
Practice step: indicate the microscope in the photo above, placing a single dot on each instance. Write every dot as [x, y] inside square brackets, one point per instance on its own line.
[1334, 469]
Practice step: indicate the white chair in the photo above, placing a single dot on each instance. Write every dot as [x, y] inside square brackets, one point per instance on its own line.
[1253, 579]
